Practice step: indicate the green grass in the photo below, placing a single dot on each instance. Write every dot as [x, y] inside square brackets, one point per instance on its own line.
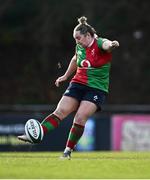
[92, 165]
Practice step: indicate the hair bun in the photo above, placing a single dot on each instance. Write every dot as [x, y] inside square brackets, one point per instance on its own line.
[82, 20]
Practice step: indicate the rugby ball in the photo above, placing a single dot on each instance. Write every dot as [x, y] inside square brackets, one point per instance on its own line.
[34, 131]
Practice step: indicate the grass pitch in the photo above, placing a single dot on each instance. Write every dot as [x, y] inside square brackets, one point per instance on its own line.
[91, 165]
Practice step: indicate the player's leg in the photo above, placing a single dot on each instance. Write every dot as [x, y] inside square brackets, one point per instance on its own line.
[65, 106]
[68, 103]
[91, 102]
[85, 110]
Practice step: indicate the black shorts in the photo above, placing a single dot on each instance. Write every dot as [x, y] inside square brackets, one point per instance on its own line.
[83, 92]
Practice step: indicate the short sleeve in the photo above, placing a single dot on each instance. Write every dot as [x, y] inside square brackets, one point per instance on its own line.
[100, 42]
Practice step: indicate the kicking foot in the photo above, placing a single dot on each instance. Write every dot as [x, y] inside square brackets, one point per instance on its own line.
[24, 138]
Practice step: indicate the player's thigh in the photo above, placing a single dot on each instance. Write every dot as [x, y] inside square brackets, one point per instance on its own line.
[66, 106]
[85, 110]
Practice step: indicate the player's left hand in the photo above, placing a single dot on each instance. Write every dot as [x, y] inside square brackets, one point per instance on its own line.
[114, 44]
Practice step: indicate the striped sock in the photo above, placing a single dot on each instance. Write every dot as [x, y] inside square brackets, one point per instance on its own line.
[50, 123]
[74, 135]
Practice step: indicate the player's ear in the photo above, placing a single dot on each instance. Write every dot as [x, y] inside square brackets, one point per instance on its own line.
[88, 34]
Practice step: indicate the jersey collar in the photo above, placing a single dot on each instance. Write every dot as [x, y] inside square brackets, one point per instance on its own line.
[91, 43]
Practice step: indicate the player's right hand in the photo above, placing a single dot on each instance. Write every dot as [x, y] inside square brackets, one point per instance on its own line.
[60, 79]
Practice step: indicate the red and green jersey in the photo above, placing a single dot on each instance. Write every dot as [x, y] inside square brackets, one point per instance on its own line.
[93, 66]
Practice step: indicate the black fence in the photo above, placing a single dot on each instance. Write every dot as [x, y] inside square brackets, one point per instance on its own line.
[97, 135]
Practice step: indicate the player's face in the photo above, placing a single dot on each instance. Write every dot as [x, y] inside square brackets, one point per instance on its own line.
[83, 40]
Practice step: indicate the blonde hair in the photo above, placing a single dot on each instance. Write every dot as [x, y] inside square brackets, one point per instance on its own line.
[84, 27]
[82, 20]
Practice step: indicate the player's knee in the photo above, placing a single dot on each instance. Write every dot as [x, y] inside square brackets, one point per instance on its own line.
[80, 118]
[60, 113]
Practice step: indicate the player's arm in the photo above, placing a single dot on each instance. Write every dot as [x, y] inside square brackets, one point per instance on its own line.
[70, 70]
[108, 45]
[72, 67]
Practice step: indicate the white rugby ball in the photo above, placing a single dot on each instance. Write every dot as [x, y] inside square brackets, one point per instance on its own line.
[34, 131]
